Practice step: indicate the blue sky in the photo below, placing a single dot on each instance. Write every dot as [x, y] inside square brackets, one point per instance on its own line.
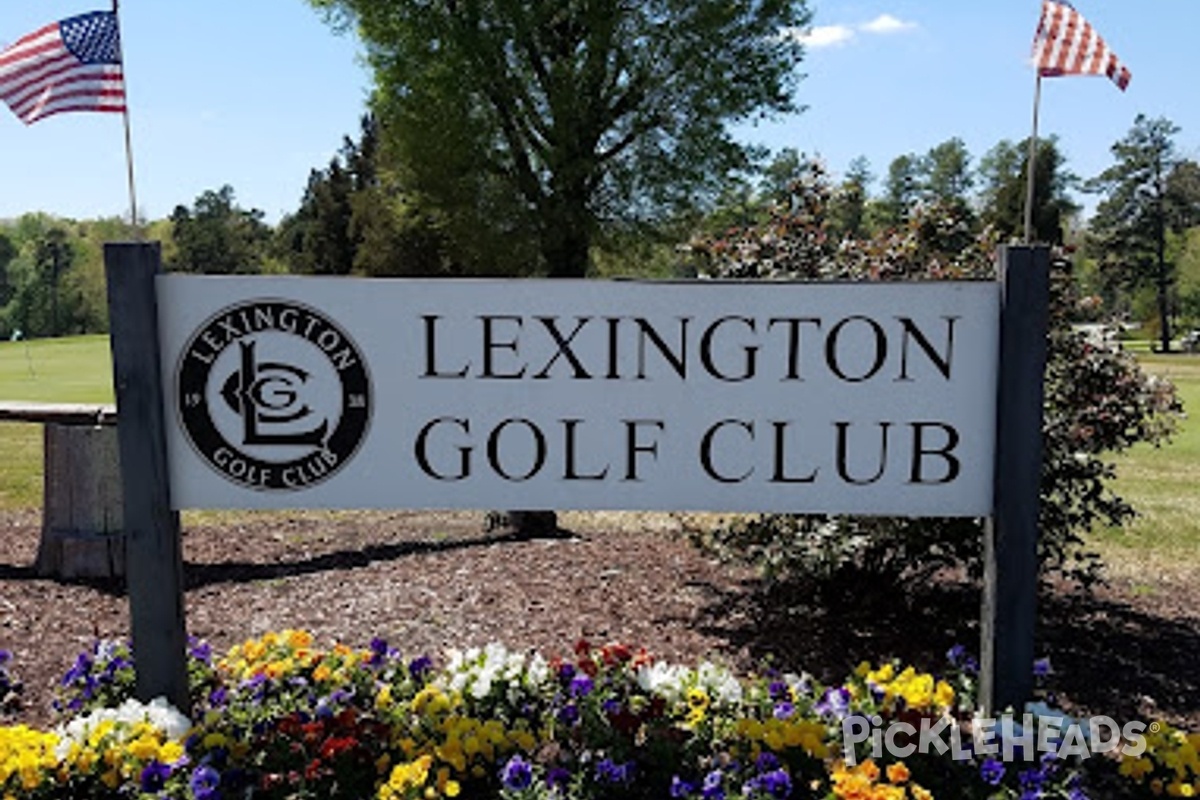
[258, 92]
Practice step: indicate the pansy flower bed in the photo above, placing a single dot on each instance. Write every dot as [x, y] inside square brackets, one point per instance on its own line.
[283, 717]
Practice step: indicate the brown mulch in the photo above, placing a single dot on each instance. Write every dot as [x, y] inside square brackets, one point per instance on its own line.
[430, 581]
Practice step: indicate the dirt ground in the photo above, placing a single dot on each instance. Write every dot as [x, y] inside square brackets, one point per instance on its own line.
[430, 581]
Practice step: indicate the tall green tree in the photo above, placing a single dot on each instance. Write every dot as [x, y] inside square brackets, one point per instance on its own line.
[901, 189]
[8, 251]
[356, 217]
[848, 205]
[1003, 173]
[1183, 196]
[318, 239]
[216, 236]
[946, 174]
[541, 119]
[1130, 227]
[46, 297]
[53, 257]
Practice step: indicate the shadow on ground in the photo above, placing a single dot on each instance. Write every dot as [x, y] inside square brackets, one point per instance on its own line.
[197, 575]
[1109, 657]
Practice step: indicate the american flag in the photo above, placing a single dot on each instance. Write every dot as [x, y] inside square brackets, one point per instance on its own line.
[72, 65]
[1066, 44]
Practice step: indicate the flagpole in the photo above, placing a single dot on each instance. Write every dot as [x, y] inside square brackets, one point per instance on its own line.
[133, 213]
[1032, 160]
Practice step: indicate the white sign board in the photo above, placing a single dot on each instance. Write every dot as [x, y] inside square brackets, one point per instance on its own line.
[356, 393]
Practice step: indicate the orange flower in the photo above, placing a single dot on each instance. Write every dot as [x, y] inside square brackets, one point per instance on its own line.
[898, 773]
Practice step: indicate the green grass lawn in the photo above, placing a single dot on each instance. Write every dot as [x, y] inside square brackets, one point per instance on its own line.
[71, 370]
[1164, 486]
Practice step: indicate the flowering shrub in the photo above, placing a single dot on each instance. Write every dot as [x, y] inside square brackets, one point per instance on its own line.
[1097, 402]
[280, 717]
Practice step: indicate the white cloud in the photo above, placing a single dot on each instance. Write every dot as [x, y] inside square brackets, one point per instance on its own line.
[886, 23]
[837, 35]
[822, 35]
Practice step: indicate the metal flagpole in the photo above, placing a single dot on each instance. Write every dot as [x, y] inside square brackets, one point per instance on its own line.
[133, 213]
[1032, 165]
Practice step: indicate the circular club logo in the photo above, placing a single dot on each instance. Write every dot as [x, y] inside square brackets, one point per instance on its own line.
[273, 395]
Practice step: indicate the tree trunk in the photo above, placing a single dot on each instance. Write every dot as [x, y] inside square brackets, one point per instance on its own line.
[566, 240]
[565, 245]
[82, 517]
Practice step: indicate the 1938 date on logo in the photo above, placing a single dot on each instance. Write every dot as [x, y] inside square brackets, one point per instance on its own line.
[273, 395]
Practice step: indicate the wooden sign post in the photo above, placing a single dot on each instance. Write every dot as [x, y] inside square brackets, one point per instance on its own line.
[153, 558]
[1010, 560]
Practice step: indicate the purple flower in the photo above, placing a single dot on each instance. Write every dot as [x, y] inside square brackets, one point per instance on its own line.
[154, 776]
[566, 671]
[711, 788]
[199, 650]
[78, 671]
[609, 771]
[341, 697]
[991, 771]
[680, 787]
[218, 697]
[517, 774]
[1041, 667]
[568, 714]
[581, 686]
[205, 783]
[558, 777]
[5, 656]
[776, 783]
[1032, 779]
[834, 703]
[379, 652]
[784, 710]
[778, 689]
[418, 667]
[767, 762]
[958, 657]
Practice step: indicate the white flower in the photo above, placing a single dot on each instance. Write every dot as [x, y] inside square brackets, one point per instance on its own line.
[719, 683]
[662, 679]
[158, 713]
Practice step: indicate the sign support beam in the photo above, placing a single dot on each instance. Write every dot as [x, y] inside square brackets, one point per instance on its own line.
[1010, 554]
[154, 562]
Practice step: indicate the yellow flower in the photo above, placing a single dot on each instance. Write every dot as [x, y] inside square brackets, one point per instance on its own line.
[299, 639]
[170, 752]
[410, 775]
[898, 773]
[144, 748]
[883, 675]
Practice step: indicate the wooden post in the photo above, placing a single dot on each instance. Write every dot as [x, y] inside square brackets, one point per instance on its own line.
[153, 559]
[82, 527]
[1010, 539]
